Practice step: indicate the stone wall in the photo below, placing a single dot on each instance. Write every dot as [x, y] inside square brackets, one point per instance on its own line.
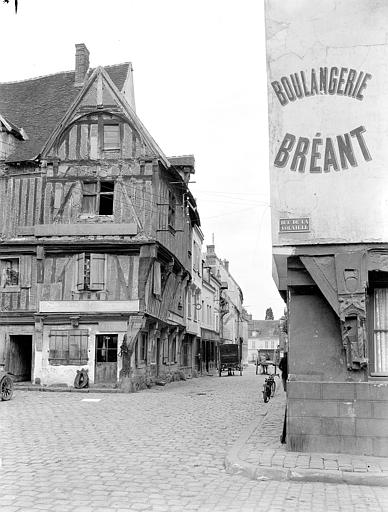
[344, 417]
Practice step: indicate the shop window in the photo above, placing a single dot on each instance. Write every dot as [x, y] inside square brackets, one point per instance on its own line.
[97, 197]
[9, 272]
[111, 137]
[186, 354]
[378, 355]
[173, 350]
[143, 345]
[68, 347]
[91, 272]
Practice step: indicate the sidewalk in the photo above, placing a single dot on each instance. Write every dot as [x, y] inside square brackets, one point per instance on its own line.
[259, 455]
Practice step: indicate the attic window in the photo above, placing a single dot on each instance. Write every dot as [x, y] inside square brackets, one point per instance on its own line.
[111, 137]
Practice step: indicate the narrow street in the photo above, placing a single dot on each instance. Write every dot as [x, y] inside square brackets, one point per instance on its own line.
[160, 450]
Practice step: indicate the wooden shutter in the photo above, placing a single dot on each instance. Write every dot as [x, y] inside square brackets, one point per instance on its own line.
[80, 271]
[78, 346]
[157, 288]
[59, 348]
[97, 271]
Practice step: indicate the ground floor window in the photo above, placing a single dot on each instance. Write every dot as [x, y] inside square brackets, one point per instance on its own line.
[379, 355]
[68, 347]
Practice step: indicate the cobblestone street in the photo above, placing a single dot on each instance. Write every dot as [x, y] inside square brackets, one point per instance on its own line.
[160, 450]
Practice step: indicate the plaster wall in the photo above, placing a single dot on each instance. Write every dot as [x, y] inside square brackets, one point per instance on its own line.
[55, 374]
[343, 201]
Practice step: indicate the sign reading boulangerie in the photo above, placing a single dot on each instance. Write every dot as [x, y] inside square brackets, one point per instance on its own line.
[328, 114]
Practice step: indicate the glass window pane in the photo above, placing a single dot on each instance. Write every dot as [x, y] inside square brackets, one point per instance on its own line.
[380, 348]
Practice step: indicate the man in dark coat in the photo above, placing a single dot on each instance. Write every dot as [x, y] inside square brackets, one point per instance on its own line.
[283, 367]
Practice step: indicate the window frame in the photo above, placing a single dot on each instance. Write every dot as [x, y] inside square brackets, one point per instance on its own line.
[172, 203]
[97, 194]
[88, 279]
[117, 147]
[67, 334]
[3, 270]
[373, 285]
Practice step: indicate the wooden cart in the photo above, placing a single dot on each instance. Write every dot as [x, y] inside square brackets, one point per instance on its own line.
[230, 359]
[267, 357]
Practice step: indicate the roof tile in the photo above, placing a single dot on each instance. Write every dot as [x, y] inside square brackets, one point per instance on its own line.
[39, 104]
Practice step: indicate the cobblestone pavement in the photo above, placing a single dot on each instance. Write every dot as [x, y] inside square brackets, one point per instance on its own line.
[160, 450]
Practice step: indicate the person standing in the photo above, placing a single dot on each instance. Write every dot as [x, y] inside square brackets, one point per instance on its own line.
[283, 366]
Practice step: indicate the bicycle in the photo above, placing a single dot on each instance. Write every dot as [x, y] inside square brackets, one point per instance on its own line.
[269, 388]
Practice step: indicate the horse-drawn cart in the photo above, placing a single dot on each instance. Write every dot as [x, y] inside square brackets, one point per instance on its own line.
[267, 357]
[230, 359]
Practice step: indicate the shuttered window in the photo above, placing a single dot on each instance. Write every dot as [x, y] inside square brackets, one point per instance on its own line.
[68, 347]
[379, 354]
[91, 271]
[111, 136]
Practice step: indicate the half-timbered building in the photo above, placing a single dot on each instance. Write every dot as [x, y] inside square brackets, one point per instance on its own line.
[95, 225]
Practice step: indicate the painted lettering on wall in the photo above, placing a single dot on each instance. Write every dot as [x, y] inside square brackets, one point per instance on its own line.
[340, 81]
[322, 154]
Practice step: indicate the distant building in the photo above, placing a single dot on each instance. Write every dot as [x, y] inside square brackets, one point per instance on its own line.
[231, 311]
[262, 334]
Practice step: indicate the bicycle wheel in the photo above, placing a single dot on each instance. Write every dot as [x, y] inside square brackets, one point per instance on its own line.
[273, 388]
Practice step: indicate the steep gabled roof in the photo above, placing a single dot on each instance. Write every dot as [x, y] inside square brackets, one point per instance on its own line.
[264, 328]
[37, 105]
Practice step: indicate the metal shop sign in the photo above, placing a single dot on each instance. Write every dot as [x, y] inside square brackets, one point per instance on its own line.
[294, 225]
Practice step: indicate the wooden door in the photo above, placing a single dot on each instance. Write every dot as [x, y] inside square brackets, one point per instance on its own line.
[106, 359]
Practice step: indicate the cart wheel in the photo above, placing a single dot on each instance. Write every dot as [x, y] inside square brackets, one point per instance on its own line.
[241, 370]
[6, 388]
[265, 397]
[219, 372]
[257, 368]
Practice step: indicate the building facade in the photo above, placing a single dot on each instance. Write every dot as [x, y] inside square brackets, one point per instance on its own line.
[328, 132]
[96, 229]
[233, 319]
[262, 335]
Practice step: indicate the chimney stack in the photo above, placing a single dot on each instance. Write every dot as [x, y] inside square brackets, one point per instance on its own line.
[226, 265]
[81, 63]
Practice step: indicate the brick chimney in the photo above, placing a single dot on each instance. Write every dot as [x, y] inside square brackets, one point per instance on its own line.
[226, 265]
[81, 63]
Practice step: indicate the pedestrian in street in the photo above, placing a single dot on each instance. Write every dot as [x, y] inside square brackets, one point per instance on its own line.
[283, 366]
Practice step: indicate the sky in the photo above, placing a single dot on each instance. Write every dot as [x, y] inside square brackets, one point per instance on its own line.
[200, 88]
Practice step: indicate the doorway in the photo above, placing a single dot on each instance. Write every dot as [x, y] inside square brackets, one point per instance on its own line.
[19, 357]
[106, 359]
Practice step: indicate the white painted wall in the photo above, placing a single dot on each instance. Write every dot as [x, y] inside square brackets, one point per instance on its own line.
[347, 205]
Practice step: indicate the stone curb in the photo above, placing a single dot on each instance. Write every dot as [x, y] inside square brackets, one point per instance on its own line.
[69, 390]
[234, 465]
